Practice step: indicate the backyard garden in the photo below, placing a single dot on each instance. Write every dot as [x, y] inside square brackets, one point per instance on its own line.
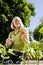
[24, 10]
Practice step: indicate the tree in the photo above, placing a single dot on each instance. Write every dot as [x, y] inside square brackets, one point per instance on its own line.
[38, 32]
[11, 8]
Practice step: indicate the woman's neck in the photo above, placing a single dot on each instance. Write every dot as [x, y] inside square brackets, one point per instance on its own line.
[16, 30]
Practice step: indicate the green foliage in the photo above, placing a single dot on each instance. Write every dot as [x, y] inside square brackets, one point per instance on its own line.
[11, 51]
[33, 51]
[11, 8]
[32, 8]
[3, 53]
[41, 30]
[41, 44]
[35, 45]
[38, 54]
[38, 51]
[38, 32]
[2, 49]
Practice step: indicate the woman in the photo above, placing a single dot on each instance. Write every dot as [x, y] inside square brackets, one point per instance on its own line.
[18, 38]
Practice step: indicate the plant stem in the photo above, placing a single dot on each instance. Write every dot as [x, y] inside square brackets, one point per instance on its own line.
[2, 61]
[37, 61]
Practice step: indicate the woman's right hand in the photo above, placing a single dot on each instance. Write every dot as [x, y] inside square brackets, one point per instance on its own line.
[8, 42]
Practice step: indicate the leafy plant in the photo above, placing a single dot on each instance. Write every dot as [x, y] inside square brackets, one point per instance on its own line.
[3, 53]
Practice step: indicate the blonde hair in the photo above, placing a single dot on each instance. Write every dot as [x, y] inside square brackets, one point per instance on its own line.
[13, 20]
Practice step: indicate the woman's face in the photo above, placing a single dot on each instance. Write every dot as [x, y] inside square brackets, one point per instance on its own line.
[17, 23]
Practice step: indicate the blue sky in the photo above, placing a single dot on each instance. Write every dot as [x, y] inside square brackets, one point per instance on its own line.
[39, 13]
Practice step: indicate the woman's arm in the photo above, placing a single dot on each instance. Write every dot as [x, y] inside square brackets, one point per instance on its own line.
[25, 36]
[8, 42]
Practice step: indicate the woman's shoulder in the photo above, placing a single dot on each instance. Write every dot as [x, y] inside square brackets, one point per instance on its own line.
[11, 33]
[24, 29]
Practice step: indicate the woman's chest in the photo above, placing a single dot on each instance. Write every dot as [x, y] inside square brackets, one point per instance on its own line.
[16, 37]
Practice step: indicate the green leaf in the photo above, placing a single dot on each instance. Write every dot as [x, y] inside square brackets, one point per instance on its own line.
[11, 51]
[5, 57]
[32, 52]
[35, 45]
[39, 54]
[41, 30]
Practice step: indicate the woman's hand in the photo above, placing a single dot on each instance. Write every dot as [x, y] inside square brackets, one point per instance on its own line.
[8, 42]
[23, 36]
